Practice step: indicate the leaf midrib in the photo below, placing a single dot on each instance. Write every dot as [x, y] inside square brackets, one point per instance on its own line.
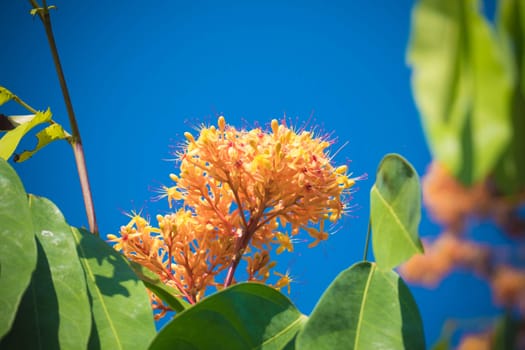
[392, 213]
[362, 307]
[285, 330]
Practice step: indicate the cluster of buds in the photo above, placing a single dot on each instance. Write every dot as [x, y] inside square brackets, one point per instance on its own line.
[442, 255]
[453, 205]
[239, 194]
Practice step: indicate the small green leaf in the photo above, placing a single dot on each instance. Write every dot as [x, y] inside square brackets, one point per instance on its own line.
[462, 85]
[5, 95]
[12, 138]
[364, 308]
[245, 316]
[168, 294]
[445, 338]
[395, 211]
[46, 136]
[18, 252]
[121, 310]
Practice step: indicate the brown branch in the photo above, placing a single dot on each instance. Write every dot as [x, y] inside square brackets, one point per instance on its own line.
[75, 140]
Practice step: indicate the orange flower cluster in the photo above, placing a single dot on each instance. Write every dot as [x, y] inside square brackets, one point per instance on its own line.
[449, 202]
[481, 341]
[241, 192]
[442, 256]
[488, 340]
[508, 285]
[452, 204]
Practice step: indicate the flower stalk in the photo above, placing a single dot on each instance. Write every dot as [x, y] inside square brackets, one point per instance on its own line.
[75, 140]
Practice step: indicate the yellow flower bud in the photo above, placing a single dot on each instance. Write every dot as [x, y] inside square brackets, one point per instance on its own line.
[189, 137]
[341, 170]
[275, 126]
[222, 123]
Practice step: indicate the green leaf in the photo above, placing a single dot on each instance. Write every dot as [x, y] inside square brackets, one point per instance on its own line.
[56, 305]
[510, 172]
[462, 86]
[395, 212]
[18, 253]
[364, 308]
[168, 294]
[5, 95]
[445, 338]
[12, 138]
[46, 136]
[507, 333]
[122, 313]
[36, 323]
[245, 316]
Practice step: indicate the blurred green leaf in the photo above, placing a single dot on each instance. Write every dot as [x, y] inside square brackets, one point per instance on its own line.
[510, 173]
[462, 86]
[168, 294]
[12, 138]
[507, 333]
[245, 316]
[442, 344]
[46, 136]
[5, 95]
[445, 338]
[395, 212]
[56, 305]
[364, 308]
[121, 310]
[18, 252]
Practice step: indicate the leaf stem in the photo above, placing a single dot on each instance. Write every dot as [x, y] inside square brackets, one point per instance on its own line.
[23, 104]
[365, 254]
[75, 140]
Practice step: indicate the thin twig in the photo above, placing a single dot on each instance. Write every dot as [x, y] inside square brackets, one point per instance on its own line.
[365, 254]
[75, 140]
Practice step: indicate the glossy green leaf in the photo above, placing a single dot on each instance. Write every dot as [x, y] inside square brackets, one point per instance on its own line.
[5, 95]
[56, 305]
[122, 313]
[52, 133]
[168, 294]
[245, 316]
[510, 172]
[18, 253]
[12, 138]
[395, 212]
[364, 308]
[462, 85]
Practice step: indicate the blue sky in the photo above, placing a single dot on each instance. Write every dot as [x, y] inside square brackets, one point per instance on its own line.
[142, 73]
